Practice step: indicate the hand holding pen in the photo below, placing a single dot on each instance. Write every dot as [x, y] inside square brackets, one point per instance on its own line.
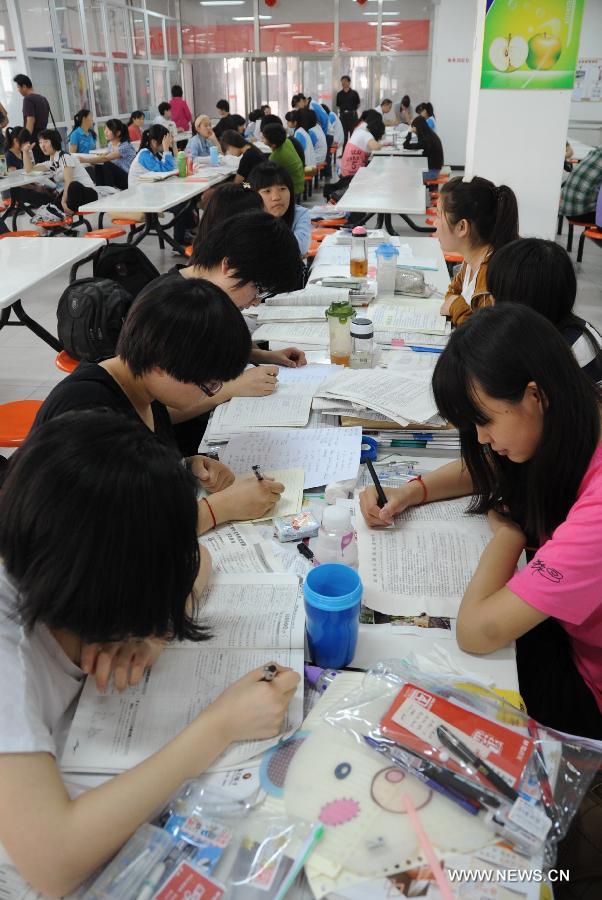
[255, 706]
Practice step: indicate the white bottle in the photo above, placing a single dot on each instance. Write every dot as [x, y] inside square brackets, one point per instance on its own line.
[336, 541]
[386, 269]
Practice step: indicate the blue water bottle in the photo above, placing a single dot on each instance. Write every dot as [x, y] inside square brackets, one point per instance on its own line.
[333, 596]
[214, 156]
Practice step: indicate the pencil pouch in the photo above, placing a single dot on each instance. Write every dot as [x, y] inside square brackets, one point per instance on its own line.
[411, 281]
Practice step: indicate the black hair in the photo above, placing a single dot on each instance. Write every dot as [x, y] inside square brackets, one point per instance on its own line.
[232, 138]
[52, 135]
[500, 350]
[538, 274]
[265, 106]
[97, 544]
[270, 119]
[230, 123]
[187, 327]
[119, 129]
[236, 120]
[223, 105]
[295, 99]
[405, 101]
[259, 248]
[255, 114]
[152, 133]
[267, 174]
[78, 119]
[274, 134]
[226, 200]
[325, 108]
[18, 133]
[23, 81]
[306, 118]
[292, 115]
[345, 78]
[137, 114]
[163, 107]
[491, 211]
[374, 123]
[429, 108]
[386, 100]
[176, 90]
[420, 108]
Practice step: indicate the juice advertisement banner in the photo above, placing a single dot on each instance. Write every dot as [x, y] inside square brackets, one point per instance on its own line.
[531, 44]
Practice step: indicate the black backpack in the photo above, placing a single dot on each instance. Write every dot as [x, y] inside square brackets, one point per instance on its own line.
[126, 265]
[90, 314]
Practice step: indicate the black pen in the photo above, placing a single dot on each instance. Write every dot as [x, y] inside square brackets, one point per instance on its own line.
[269, 673]
[382, 497]
[305, 551]
[257, 473]
[459, 749]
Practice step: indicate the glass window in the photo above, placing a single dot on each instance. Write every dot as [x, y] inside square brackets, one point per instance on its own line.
[357, 28]
[161, 93]
[142, 84]
[45, 77]
[138, 34]
[171, 38]
[125, 102]
[405, 27]
[6, 34]
[293, 27]
[78, 90]
[118, 36]
[166, 7]
[226, 28]
[94, 29]
[284, 80]
[359, 70]
[70, 28]
[155, 33]
[37, 29]
[404, 74]
[100, 87]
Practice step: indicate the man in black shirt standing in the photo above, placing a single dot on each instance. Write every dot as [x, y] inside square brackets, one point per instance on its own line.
[348, 102]
[36, 111]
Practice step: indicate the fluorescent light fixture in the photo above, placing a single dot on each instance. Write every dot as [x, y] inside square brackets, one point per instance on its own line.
[248, 18]
[384, 14]
[384, 24]
[284, 25]
[222, 2]
[301, 37]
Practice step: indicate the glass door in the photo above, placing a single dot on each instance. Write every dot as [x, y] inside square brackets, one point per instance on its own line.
[316, 78]
[361, 70]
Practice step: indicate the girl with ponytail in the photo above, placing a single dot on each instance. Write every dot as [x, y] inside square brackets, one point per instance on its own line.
[83, 137]
[474, 218]
[117, 160]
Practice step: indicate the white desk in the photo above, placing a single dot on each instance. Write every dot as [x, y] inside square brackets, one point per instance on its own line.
[386, 186]
[153, 198]
[26, 261]
[13, 181]
[402, 152]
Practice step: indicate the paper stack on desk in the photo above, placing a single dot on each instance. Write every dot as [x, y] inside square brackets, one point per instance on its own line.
[403, 397]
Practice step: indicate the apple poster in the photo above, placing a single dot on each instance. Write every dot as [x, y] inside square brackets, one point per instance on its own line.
[531, 44]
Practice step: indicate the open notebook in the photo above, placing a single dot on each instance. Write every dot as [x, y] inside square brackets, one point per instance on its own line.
[254, 619]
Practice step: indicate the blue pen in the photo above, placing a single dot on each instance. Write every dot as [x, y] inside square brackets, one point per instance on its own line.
[417, 349]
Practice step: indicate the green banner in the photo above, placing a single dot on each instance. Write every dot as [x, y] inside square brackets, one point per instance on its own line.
[531, 44]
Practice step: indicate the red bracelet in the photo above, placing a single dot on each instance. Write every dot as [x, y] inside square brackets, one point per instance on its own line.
[423, 486]
[211, 511]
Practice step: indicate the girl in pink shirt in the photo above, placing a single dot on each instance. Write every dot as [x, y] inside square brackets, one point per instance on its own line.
[180, 112]
[529, 423]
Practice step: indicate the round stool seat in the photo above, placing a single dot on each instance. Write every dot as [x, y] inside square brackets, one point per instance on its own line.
[30, 233]
[332, 223]
[453, 257]
[188, 251]
[318, 234]
[106, 233]
[16, 419]
[126, 222]
[65, 363]
[66, 221]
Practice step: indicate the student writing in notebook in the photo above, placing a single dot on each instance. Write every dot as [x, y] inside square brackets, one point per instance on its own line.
[180, 341]
[530, 433]
[474, 218]
[96, 549]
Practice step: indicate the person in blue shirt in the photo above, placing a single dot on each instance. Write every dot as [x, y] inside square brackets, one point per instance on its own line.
[295, 119]
[275, 187]
[427, 112]
[200, 143]
[300, 101]
[119, 157]
[83, 138]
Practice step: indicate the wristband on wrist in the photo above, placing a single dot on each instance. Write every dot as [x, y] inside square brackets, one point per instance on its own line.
[423, 486]
[210, 511]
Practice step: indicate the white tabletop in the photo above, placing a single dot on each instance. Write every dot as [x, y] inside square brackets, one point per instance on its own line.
[421, 247]
[402, 153]
[20, 179]
[386, 185]
[26, 261]
[154, 197]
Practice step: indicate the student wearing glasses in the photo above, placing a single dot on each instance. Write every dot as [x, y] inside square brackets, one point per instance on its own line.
[180, 341]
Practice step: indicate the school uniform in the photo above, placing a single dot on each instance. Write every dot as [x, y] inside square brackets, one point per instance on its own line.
[318, 139]
[308, 148]
[302, 228]
[356, 152]
[199, 146]
[116, 171]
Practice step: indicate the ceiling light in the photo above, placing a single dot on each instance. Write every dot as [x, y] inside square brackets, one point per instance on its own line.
[286, 25]
[301, 37]
[222, 2]
[248, 18]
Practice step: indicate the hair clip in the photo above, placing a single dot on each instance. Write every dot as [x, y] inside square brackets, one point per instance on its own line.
[466, 179]
[246, 186]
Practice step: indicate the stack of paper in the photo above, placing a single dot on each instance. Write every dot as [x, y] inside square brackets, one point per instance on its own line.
[404, 397]
[305, 333]
[421, 316]
[314, 296]
[291, 314]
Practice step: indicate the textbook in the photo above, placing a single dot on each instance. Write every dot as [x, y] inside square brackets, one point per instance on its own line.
[254, 619]
[158, 176]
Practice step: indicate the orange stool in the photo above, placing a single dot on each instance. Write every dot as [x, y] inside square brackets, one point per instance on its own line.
[318, 234]
[441, 179]
[453, 257]
[594, 234]
[16, 419]
[572, 223]
[64, 362]
[106, 233]
[431, 210]
[188, 251]
[331, 223]
[313, 249]
[429, 221]
[20, 234]
[126, 222]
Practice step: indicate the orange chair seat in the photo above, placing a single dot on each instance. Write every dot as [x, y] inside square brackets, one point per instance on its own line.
[188, 251]
[453, 257]
[580, 224]
[20, 234]
[594, 233]
[441, 179]
[431, 210]
[318, 234]
[313, 249]
[320, 166]
[64, 362]
[16, 419]
[126, 222]
[429, 221]
[331, 223]
[67, 221]
[308, 177]
[106, 233]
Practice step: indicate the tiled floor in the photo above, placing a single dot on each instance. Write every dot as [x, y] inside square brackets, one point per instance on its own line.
[27, 364]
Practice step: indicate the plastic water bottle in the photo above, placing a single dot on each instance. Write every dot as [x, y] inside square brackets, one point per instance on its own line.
[362, 344]
[214, 156]
[336, 541]
[182, 164]
[358, 263]
[339, 315]
[189, 163]
[386, 268]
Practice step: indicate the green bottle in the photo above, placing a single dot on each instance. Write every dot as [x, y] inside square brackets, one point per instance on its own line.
[339, 315]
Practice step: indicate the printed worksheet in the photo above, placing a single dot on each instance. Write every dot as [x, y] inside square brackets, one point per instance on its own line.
[389, 317]
[291, 314]
[294, 332]
[239, 548]
[314, 296]
[289, 405]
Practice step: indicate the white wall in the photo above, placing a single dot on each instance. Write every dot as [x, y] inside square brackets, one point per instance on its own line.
[453, 38]
[590, 45]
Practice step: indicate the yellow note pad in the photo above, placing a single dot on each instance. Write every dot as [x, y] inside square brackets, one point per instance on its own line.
[291, 500]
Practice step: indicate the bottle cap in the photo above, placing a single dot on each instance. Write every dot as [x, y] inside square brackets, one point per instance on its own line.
[387, 250]
[336, 518]
[362, 328]
[359, 231]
